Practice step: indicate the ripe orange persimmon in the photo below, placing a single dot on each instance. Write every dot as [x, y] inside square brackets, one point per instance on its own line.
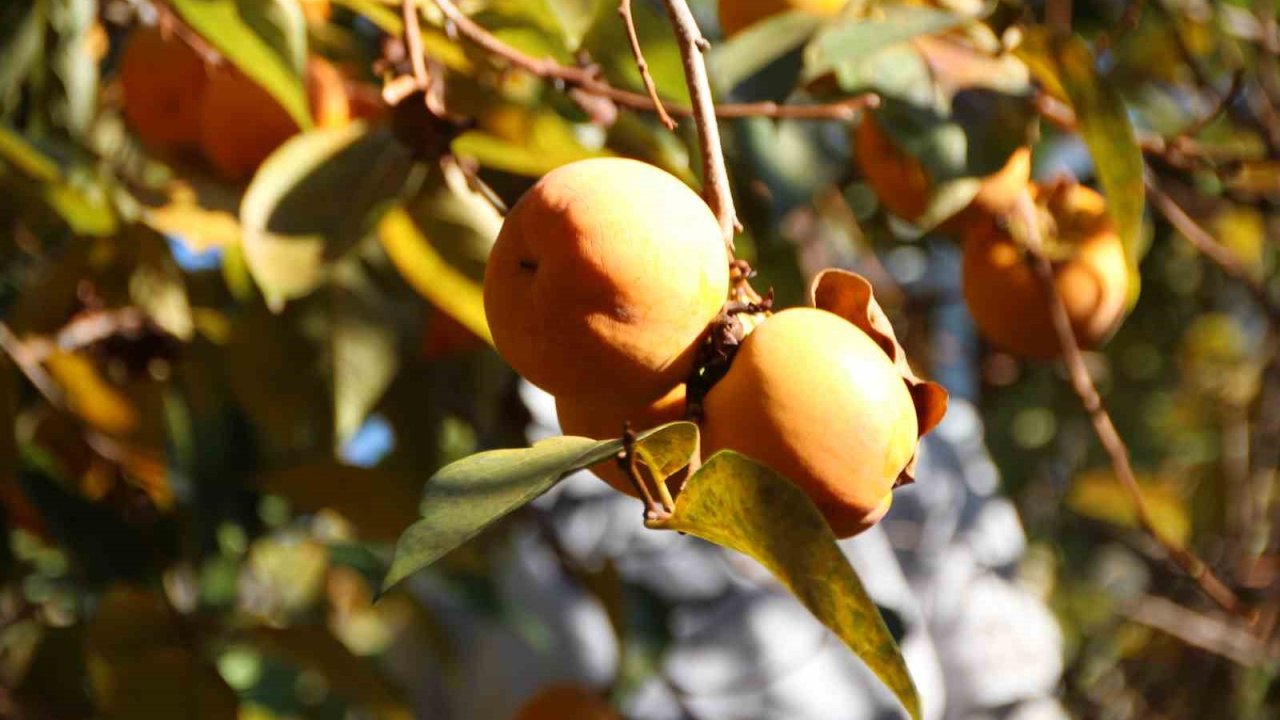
[738, 15]
[565, 701]
[1006, 298]
[241, 123]
[603, 280]
[600, 419]
[902, 183]
[815, 398]
[162, 79]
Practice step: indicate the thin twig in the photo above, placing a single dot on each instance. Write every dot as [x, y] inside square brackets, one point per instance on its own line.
[1215, 251]
[1105, 429]
[30, 366]
[714, 173]
[624, 9]
[589, 81]
[413, 45]
[1198, 630]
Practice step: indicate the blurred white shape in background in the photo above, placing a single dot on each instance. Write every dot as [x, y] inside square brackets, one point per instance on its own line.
[977, 644]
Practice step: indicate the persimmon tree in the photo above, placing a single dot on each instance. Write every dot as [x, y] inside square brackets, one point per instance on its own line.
[241, 239]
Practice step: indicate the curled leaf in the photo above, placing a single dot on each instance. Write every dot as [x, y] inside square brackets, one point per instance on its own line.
[850, 296]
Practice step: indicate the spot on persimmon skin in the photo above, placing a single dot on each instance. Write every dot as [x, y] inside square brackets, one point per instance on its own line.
[528, 265]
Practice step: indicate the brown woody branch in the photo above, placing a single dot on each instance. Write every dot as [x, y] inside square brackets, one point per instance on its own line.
[1106, 430]
[589, 80]
[714, 173]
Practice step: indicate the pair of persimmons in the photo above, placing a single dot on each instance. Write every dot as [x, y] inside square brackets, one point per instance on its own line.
[608, 273]
[175, 101]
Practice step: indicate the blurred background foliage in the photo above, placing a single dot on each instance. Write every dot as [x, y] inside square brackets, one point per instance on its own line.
[222, 391]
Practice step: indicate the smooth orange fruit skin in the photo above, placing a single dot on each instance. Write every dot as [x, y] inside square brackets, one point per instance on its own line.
[738, 15]
[1005, 297]
[241, 123]
[816, 399]
[902, 183]
[566, 701]
[604, 420]
[162, 80]
[603, 280]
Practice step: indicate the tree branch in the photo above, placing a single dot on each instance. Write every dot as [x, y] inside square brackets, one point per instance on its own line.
[715, 175]
[624, 9]
[589, 81]
[1105, 429]
[1219, 254]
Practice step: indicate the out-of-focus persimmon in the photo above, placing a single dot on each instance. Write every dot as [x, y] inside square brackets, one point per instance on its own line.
[1005, 297]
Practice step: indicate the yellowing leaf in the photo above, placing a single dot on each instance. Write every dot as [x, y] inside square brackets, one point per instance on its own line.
[1099, 495]
[740, 504]
[198, 222]
[422, 266]
[90, 396]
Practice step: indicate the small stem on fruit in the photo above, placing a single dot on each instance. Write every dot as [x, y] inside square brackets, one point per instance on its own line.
[714, 173]
[654, 510]
[624, 9]
[1105, 429]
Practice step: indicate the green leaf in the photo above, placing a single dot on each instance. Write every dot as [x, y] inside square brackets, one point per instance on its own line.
[75, 97]
[740, 504]
[1067, 64]
[21, 38]
[855, 39]
[466, 497]
[262, 39]
[541, 141]
[312, 200]
[750, 51]
[607, 44]
[364, 347]
[439, 243]
[85, 211]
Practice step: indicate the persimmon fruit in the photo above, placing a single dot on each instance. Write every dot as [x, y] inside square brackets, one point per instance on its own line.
[902, 183]
[565, 701]
[241, 123]
[601, 419]
[603, 280]
[1005, 296]
[818, 400]
[162, 80]
[738, 15]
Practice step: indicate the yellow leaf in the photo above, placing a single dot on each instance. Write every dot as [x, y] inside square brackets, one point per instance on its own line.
[1098, 495]
[740, 504]
[90, 396]
[426, 270]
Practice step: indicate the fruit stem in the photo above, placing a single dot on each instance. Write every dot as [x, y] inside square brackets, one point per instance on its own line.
[1105, 429]
[716, 177]
[654, 510]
